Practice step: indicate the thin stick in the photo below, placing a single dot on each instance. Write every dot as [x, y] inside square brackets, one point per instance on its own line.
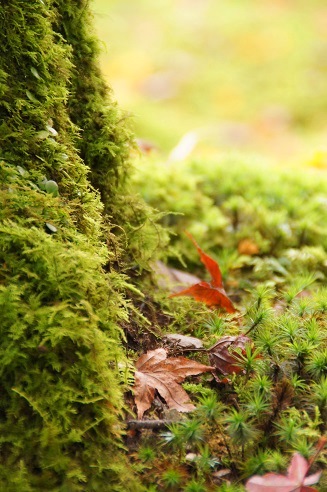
[148, 424]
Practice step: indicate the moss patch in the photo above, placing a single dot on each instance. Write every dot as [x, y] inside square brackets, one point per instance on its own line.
[61, 303]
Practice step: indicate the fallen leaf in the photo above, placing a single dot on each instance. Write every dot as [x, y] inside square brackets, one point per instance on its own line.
[171, 278]
[191, 457]
[154, 371]
[35, 73]
[183, 341]
[31, 97]
[224, 356]
[221, 473]
[51, 130]
[294, 481]
[211, 293]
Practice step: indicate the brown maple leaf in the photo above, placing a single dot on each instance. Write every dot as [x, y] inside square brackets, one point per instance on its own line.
[157, 372]
[225, 356]
[211, 293]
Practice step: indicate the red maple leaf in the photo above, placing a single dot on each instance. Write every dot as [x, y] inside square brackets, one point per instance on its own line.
[157, 372]
[294, 481]
[211, 293]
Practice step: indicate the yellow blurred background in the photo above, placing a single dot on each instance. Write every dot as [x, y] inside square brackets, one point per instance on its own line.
[221, 75]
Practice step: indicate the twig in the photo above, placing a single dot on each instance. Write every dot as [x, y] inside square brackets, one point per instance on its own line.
[148, 424]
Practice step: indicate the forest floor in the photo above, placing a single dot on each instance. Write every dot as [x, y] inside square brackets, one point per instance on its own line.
[228, 102]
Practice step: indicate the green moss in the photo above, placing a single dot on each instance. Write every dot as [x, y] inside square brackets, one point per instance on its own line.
[60, 306]
[36, 131]
[105, 140]
[277, 405]
[61, 396]
[224, 202]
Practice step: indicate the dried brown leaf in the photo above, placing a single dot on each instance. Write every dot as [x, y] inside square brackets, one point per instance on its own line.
[225, 356]
[157, 372]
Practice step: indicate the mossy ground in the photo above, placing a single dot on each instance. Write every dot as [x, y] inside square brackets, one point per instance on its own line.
[267, 230]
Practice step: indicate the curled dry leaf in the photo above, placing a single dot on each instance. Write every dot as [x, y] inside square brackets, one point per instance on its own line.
[224, 355]
[211, 293]
[294, 481]
[154, 371]
[183, 341]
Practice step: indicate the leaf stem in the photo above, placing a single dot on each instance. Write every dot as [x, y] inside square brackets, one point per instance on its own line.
[252, 327]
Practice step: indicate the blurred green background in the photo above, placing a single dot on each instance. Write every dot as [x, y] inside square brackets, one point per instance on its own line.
[245, 75]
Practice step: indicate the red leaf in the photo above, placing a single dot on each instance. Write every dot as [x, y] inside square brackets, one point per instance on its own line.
[211, 293]
[156, 372]
[224, 356]
[295, 480]
[210, 264]
[171, 278]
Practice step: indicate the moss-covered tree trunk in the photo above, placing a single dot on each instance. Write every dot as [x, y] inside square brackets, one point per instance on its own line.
[105, 141]
[61, 396]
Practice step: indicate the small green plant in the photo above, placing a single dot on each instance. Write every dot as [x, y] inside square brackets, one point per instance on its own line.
[195, 485]
[215, 325]
[240, 428]
[276, 461]
[257, 405]
[209, 409]
[146, 454]
[172, 479]
[262, 384]
[317, 363]
[205, 463]
[249, 359]
[172, 438]
[301, 283]
[318, 393]
[191, 432]
[255, 464]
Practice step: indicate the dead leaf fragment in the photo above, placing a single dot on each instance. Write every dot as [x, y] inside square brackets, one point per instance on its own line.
[221, 473]
[224, 355]
[154, 371]
[171, 278]
[247, 247]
